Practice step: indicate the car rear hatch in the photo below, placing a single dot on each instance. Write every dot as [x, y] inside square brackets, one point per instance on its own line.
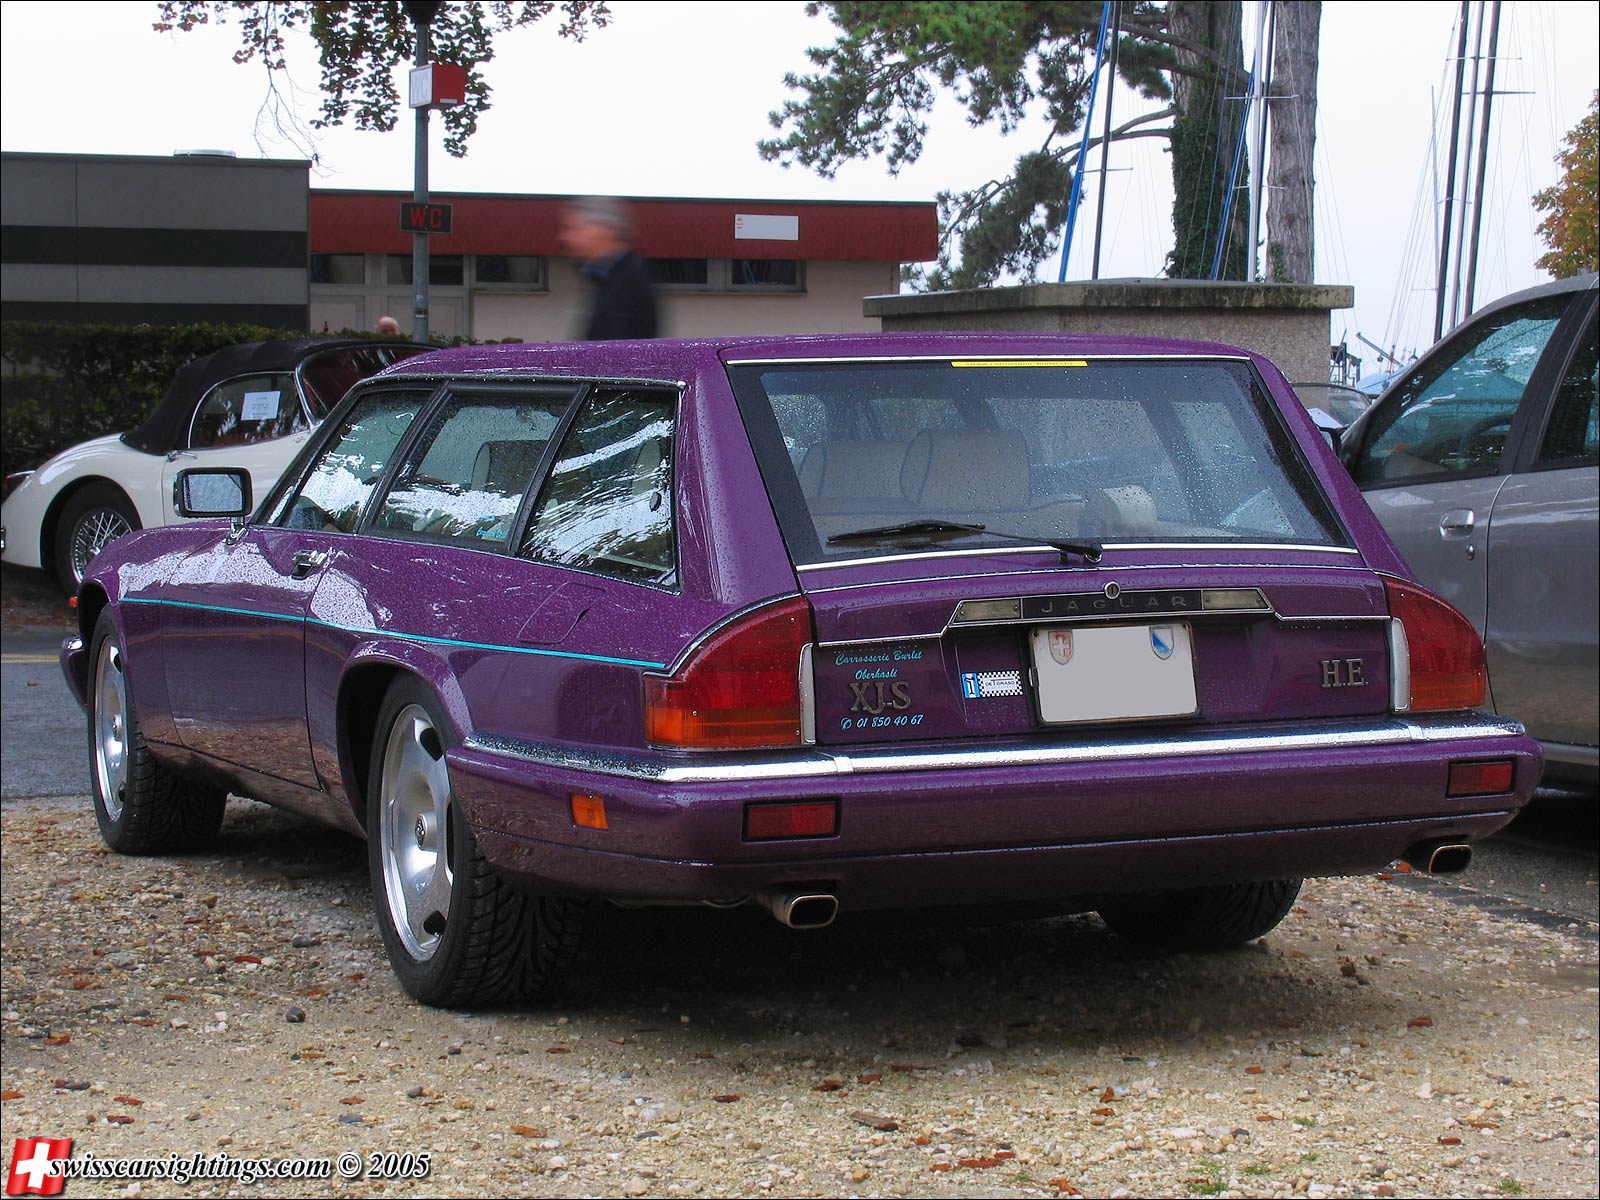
[1198, 574]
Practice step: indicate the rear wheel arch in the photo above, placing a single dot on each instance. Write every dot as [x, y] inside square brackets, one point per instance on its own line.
[362, 690]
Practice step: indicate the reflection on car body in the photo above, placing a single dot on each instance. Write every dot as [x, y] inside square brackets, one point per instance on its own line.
[556, 623]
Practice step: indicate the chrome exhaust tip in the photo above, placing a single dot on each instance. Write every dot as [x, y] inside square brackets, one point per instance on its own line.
[803, 910]
[1440, 858]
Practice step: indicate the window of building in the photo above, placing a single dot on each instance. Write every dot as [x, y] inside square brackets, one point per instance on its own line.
[444, 270]
[767, 274]
[339, 268]
[525, 271]
[680, 272]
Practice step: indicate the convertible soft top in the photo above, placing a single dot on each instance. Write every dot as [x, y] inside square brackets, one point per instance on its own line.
[165, 429]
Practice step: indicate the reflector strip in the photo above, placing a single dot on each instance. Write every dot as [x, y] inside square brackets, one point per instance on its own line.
[813, 818]
[1480, 778]
[1020, 362]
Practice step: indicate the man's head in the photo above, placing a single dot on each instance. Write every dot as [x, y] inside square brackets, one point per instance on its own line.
[595, 228]
[388, 325]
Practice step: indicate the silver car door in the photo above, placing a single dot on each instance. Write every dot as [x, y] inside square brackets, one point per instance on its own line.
[1544, 571]
[1431, 460]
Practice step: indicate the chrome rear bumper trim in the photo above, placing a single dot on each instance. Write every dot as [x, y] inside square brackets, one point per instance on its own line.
[828, 764]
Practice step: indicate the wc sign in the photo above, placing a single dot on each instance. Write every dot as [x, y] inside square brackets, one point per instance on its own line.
[424, 218]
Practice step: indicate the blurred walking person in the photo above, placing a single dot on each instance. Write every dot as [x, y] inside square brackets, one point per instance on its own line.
[598, 231]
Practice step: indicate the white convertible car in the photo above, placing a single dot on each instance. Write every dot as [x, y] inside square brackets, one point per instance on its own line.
[249, 406]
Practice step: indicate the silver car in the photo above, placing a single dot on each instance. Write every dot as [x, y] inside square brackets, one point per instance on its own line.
[1481, 462]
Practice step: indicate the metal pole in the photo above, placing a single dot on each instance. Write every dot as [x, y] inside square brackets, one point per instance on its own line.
[1450, 177]
[1105, 137]
[419, 241]
[1483, 159]
[1083, 147]
[1258, 128]
[1466, 174]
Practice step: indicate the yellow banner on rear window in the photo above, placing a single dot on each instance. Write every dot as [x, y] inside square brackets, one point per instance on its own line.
[1020, 362]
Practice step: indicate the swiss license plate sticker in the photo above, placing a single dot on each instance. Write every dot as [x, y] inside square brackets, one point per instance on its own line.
[1114, 672]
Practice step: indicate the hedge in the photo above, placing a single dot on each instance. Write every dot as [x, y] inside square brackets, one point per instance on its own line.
[64, 384]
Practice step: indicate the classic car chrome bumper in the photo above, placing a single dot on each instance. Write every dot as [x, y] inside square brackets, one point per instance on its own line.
[1020, 819]
[815, 764]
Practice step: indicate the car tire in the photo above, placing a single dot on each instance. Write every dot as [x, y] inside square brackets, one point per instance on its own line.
[1203, 918]
[142, 807]
[93, 518]
[457, 935]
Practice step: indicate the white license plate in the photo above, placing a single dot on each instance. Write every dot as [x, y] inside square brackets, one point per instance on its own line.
[1114, 672]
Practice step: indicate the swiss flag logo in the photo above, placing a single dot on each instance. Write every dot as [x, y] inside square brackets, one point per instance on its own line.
[30, 1166]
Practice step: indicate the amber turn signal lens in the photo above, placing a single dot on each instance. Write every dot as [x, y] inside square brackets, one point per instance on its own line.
[813, 818]
[589, 811]
[1480, 778]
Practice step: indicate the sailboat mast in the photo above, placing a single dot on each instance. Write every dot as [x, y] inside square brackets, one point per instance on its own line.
[1466, 173]
[1258, 111]
[1450, 177]
[1483, 157]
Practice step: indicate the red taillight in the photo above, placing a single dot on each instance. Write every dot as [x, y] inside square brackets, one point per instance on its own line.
[1480, 778]
[738, 691]
[810, 818]
[1437, 656]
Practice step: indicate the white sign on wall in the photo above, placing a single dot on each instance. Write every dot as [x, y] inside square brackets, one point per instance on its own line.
[751, 227]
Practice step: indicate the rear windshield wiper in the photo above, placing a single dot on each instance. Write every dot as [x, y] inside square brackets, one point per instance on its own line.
[1087, 549]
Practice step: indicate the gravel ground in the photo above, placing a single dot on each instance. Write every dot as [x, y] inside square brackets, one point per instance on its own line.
[1383, 1042]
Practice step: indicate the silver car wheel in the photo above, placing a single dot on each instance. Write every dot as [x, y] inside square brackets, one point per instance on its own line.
[414, 833]
[95, 530]
[111, 728]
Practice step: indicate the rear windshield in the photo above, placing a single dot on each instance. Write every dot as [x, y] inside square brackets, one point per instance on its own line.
[1121, 452]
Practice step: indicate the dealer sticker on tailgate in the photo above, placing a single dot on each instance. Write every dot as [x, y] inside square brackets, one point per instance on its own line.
[1114, 672]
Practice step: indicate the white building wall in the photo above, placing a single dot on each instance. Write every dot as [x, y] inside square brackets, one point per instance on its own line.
[830, 303]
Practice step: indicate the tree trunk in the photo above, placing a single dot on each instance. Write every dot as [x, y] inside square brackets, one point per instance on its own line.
[1290, 175]
[1207, 91]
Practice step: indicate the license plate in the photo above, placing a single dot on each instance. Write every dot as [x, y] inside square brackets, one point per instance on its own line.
[1114, 672]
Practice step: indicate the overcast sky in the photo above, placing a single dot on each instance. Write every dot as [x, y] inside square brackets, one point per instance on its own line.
[671, 98]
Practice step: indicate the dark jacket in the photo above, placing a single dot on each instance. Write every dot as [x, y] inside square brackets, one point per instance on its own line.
[624, 301]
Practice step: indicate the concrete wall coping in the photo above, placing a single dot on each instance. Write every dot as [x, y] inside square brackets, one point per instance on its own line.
[1119, 293]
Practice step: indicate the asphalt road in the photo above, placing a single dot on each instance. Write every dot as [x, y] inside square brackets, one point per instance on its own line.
[1547, 862]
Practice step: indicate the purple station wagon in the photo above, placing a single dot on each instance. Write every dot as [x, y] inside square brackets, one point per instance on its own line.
[822, 624]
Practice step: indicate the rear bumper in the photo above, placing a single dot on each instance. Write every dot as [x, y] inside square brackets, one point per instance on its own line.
[1027, 820]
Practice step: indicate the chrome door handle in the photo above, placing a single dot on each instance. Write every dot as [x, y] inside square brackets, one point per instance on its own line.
[1458, 520]
[307, 561]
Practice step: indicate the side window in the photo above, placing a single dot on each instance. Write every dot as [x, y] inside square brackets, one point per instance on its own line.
[342, 475]
[468, 474]
[246, 410]
[1454, 417]
[1572, 434]
[607, 505]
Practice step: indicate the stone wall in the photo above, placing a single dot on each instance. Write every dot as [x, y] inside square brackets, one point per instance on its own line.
[1289, 323]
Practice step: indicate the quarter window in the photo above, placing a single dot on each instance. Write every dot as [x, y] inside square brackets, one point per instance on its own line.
[1453, 418]
[468, 474]
[246, 410]
[607, 505]
[342, 475]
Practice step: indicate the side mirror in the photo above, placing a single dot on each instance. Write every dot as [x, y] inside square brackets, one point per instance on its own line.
[1331, 427]
[212, 492]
